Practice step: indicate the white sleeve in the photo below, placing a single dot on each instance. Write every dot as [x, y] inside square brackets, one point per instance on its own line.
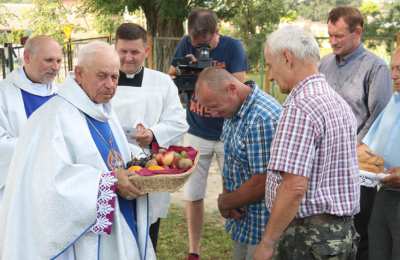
[172, 124]
[7, 145]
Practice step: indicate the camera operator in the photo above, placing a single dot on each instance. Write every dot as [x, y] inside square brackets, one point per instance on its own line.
[204, 129]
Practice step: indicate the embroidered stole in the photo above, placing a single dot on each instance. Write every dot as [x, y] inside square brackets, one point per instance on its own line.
[101, 133]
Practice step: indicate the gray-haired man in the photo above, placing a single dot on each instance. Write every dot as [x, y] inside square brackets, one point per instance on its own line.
[312, 186]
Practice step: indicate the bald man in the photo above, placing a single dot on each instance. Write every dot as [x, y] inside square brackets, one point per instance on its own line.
[251, 117]
[23, 91]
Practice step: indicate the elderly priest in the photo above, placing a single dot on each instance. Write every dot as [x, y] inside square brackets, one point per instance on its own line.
[67, 196]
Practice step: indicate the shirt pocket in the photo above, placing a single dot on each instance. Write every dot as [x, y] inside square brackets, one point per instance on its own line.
[236, 151]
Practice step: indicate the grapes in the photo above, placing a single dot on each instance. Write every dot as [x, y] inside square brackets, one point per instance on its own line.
[139, 161]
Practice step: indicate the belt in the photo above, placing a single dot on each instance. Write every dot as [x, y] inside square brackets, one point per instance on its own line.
[321, 219]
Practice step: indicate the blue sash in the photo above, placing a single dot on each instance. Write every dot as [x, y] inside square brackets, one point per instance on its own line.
[127, 207]
[33, 102]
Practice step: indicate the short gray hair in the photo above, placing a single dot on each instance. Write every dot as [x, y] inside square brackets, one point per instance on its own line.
[294, 39]
[91, 50]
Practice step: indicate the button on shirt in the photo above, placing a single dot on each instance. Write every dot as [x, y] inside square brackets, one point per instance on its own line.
[316, 138]
[363, 80]
[247, 137]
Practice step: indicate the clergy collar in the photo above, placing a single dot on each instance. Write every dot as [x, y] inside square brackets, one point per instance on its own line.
[74, 94]
[131, 76]
[19, 79]
[128, 80]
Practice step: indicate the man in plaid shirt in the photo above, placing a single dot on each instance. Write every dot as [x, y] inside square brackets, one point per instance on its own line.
[312, 187]
[250, 120]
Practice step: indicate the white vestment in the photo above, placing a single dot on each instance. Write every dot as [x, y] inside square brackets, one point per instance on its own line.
[51, 195]
[156, 105]
[13, 116]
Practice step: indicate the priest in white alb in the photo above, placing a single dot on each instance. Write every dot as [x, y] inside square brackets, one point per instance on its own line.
[23, 91]
[147, 101]
[67, 196]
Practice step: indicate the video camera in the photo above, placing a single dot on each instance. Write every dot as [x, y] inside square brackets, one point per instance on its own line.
[187, 70]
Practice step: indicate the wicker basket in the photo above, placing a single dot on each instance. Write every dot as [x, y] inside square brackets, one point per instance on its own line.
[163, 182]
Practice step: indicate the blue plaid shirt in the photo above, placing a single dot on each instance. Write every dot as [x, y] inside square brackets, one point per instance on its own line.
[247, 139]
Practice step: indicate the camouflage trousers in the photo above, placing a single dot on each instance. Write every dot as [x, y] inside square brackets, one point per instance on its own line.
[330, 238]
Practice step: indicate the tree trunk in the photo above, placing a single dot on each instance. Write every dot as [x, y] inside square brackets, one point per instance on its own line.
[169, 33]
[163, 30]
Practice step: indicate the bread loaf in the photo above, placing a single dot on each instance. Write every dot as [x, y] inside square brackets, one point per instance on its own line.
[369, 161]
[370, 167]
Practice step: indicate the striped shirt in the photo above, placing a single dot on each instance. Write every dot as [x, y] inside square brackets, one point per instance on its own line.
[247, 139]
[316, 138]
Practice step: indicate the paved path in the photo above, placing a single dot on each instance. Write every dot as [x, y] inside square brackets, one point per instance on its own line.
[214, 187]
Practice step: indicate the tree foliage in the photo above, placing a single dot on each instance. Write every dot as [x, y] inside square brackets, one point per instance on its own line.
[163, 18]
[317, 10]
[107, 23]
[382, 24]
[253, 20]
[48, 18]
[7, 20]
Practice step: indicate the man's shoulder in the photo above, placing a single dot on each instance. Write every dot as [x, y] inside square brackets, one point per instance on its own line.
[6, 85]
[156, 73]
[184, 42]
[327, 59]
[57, 107]
[229, 41]
[9, 88]
[374, 59]
[228, 38]
[265, 107]
[158, 78]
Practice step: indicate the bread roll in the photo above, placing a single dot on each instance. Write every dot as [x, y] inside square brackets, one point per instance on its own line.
[370, 167]
[366, 156]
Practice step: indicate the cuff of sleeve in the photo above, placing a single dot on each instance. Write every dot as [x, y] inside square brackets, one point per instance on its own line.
[105, 203]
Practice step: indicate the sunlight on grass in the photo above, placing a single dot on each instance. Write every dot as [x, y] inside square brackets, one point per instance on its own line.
[173, 240]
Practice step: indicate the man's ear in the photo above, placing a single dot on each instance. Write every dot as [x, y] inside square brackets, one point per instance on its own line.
[288, 58]
[231, 88]
[358, 31]
[78, 70]
[27, 57]
[147, 51]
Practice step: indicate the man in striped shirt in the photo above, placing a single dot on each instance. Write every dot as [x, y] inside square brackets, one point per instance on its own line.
[250, 121]
[312, 186]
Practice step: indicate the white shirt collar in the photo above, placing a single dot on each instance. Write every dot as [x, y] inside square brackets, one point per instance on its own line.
[74, 94]
[20, 80]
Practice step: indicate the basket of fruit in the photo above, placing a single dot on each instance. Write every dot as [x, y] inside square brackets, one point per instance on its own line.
[164, 170]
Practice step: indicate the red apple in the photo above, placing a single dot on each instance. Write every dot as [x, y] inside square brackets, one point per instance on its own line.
[167, 158]
[158, 158]
[175, 162]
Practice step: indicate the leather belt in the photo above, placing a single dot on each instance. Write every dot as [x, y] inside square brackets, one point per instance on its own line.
[321, 219]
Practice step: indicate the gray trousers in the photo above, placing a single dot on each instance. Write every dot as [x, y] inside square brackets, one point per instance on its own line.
[384, 226]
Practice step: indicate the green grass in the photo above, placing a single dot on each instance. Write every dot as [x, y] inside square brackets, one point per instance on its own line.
[275, 92]
[173, 239]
